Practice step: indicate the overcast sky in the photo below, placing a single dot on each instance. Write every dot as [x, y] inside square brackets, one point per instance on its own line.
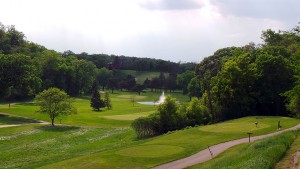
[176, 30]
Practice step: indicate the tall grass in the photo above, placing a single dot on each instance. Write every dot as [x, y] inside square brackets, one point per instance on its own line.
[262, 154]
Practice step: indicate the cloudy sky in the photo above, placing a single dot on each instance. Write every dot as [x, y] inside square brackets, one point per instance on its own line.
[176, 30]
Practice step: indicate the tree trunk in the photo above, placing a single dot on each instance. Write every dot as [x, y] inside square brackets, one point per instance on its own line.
[52, 121]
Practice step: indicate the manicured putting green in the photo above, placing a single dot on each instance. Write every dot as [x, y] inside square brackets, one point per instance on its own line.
[150, 151]
[129, 116]
[234, 127]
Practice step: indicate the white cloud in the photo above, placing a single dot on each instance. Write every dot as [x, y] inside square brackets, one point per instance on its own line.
[178, 30]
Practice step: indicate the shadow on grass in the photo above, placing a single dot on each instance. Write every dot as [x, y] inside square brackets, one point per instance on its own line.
[5, 119]
[57, 128]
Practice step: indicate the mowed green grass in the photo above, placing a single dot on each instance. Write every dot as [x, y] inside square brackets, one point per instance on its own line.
[74, 148]
[121, 115]
[262, 154]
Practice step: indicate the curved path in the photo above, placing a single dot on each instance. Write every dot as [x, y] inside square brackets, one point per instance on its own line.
[21, 124]
[205, 155]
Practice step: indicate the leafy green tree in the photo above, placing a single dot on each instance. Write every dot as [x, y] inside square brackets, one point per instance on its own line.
[194, 88]
[293, 97]
[147, 83]
[107, 101]
[19, 76]
[96, 101]
[54, 102]
[162, 80]
[235, 87]
[168, 114]
[103, 76]
[170, 82]
[85, 75]
[184, 79]
[113, 83]
[275, 76]
[197, 113]
[138, 88]
[154, 84]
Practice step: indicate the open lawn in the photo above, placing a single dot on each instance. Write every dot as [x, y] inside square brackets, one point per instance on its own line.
[94, 147]
[121, 115]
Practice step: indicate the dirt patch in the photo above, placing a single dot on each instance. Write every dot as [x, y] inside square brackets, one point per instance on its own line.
[294, 161]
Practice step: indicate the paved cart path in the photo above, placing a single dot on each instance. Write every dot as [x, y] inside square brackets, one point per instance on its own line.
[205, 155]
[21, 124]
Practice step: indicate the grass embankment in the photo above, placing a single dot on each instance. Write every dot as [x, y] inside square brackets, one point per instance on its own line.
[121, 115]
[89, 147]
[292, 156]
[262, 154]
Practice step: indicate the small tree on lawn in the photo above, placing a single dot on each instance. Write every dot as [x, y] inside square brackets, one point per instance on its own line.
[107, 101]
[132, 99]
[96, 101]
[55, 102]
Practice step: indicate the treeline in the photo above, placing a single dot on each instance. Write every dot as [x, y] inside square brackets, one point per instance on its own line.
[254, 79]
[27, 68]
[134, 63]
[235, 82]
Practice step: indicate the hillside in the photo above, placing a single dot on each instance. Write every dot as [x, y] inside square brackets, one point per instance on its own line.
[140, 76]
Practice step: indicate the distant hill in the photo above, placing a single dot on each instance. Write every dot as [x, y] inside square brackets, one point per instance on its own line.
[140, 76]
[134, 63]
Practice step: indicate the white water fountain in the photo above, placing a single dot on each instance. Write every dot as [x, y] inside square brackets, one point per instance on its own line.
[161, 100]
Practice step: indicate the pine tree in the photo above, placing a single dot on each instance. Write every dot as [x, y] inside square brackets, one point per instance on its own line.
[107, 101]
[96, 101]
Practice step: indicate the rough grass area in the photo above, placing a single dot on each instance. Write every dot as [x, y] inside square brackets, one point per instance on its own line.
[6, 120]
[292, 156]
[34, 146]
[262, 154]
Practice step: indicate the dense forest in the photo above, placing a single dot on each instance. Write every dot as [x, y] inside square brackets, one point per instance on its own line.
[27, 68]
[134, 63]
[236, 82]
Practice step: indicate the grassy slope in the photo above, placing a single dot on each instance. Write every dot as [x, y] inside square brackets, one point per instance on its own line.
[282, 164]
[262, 154]
[121, 115]
[140, 75]
[121, 150]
